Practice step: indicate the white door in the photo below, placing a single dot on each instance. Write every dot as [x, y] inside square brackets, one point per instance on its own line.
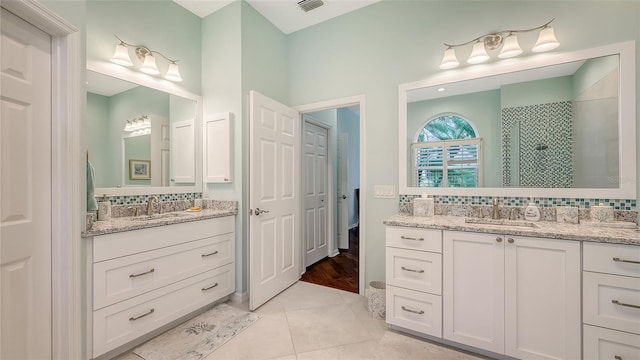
[343, 191]
[315, 193]
[274, 198]
[543, 300]
[473, 289]
[25, 188]
[160, 144]
[183, 157]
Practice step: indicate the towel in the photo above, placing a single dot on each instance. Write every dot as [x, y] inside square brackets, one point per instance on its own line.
[92, 204]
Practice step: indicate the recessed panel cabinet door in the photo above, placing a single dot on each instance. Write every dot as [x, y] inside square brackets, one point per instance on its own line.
[542, 292]
[183, 157]
[473, 289]
[218, 148]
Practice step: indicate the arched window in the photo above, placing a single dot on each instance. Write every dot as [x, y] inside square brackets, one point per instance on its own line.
[447, 153]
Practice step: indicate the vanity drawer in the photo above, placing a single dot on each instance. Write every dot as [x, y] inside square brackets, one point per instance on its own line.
[612, 301]
[606, 344]
[122, 278]
[414, 239]
[414, 310]
[120, 323]
[600, 257]
[125, 243]
[414, 270]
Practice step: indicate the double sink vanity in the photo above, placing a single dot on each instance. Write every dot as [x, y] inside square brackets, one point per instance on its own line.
[558, 131]
[507, 288]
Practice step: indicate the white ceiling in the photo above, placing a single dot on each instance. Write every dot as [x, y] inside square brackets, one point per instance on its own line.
[286, 15]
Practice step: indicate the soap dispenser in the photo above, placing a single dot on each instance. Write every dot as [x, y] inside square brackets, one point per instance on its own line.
[532, 212]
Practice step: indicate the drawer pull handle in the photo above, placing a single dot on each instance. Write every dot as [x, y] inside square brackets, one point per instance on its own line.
[413, 311]
[412, 270]
[209, 254]
[627, 305]
[210, 287]
[410, 238]
[142, 273]
[134, 318]
[617, 357]
[626, 261]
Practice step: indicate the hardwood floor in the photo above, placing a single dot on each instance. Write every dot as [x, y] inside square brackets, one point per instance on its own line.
[340, 271]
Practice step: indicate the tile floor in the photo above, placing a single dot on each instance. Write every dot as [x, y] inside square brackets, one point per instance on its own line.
[308, 322]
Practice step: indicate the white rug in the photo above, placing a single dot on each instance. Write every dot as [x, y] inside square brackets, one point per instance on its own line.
[198, 337]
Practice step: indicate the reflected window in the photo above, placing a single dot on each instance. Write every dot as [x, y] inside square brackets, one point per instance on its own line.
[447, 153]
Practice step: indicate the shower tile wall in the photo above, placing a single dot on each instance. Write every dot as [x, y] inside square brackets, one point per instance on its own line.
[546, 156]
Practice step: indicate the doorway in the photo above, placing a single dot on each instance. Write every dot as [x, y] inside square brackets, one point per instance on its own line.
[338, 266]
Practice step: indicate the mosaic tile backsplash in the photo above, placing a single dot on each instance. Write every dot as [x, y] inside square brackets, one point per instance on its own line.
[142, 199]
[480, 206]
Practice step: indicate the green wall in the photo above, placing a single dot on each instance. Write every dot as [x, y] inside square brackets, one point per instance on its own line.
[373, 50]
[160, 25]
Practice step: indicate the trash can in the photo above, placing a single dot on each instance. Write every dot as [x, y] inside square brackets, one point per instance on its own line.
[377, 299]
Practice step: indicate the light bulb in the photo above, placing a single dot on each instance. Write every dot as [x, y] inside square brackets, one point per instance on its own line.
[546, 40]
[478, 54]
[121, 55]
[173, 73]
[449, 60]
[510, 48]
[149, 65]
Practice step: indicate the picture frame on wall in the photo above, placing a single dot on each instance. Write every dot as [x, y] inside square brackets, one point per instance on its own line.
[140, 169]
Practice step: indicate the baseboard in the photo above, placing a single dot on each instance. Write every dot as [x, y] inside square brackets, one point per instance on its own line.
[335, 252]
[239, 298]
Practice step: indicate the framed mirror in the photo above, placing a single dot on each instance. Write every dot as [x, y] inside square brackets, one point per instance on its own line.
[143, 134]
[553, 125]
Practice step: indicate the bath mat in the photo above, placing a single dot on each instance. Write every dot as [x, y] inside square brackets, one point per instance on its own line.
[198, 337]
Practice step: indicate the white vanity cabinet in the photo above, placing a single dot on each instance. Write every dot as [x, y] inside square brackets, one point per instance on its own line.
[511, 295]
[414, 279]
[611, 301]
[144, 279]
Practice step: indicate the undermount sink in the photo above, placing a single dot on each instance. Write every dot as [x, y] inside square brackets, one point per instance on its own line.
[170, 215]
[501, 222]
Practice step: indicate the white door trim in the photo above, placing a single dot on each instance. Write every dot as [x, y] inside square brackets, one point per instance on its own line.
[330, 189]
[66, 176]
[344, 102]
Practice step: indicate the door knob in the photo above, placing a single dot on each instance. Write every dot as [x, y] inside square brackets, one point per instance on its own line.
[344, 197]
[258, 211]
[510, 240]
[499, 239]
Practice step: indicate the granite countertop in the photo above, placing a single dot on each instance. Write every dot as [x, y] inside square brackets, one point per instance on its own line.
[129, 223]
[545, 229]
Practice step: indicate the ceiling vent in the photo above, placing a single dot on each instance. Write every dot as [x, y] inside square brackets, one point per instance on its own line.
[308, 5]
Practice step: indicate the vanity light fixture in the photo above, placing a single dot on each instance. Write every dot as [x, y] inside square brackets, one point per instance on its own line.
[146, 55]
[505, 38]
[137, 124]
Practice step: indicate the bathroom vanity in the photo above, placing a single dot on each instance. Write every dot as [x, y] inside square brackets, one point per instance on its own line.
[146, 273]
[515, 290]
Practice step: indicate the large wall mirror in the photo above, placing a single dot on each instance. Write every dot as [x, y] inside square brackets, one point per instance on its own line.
[143, 136]
[561, 125]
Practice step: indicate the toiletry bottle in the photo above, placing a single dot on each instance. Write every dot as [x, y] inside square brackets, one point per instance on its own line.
[532, 212]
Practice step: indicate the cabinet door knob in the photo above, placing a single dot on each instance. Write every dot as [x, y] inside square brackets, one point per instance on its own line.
[499, 239]
[510, 240]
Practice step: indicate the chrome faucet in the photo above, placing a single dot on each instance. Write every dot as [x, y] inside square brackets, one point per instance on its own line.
[150, 204]
[495, 213]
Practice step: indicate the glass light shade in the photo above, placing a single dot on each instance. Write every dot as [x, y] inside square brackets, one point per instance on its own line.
[510, 48]
[121, 56]
[173, 73]
[478, 54]
[546, 40]
[449, 61]
[149, 65]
